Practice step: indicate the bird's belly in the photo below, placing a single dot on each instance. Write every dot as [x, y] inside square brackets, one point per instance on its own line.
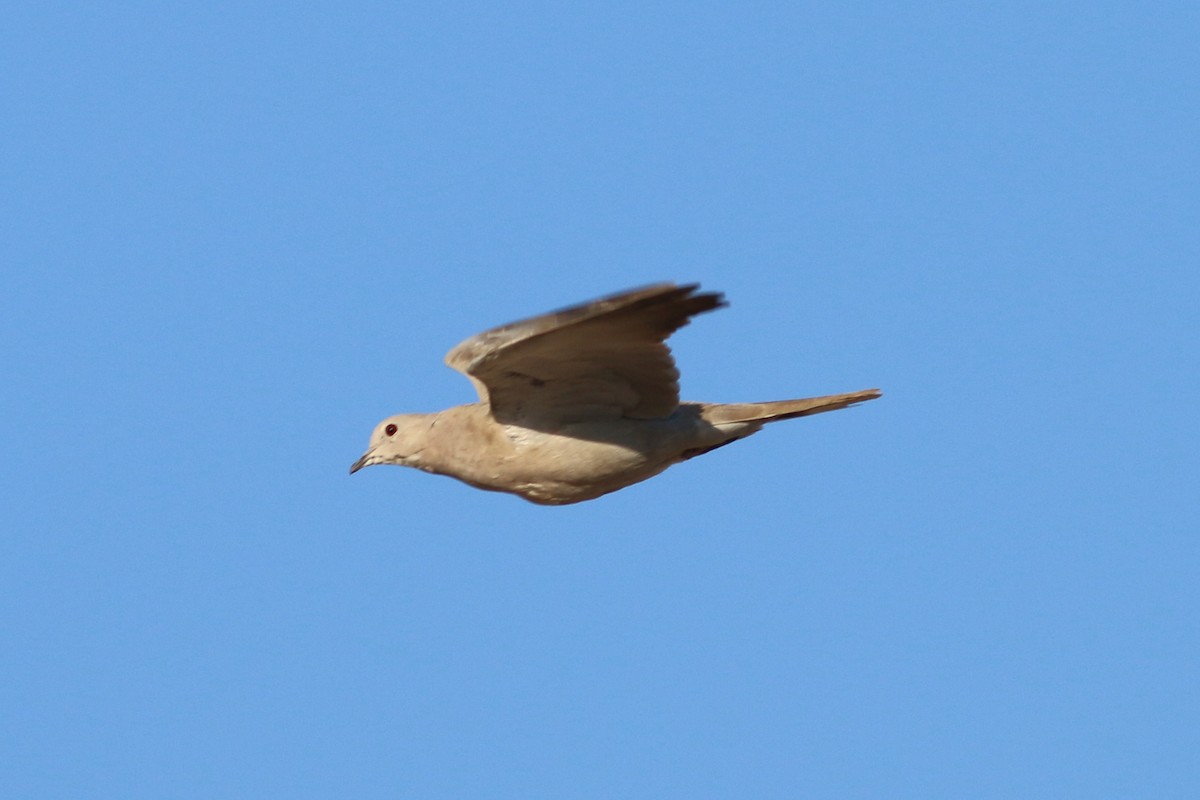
[555, 470]
[574, 463]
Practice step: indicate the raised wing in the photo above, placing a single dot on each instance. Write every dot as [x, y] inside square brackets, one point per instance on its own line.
[599, 360]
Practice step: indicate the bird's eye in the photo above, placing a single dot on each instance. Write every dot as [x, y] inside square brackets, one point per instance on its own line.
[390, 430]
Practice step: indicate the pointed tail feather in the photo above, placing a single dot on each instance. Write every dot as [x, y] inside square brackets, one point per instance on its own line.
[719, 413]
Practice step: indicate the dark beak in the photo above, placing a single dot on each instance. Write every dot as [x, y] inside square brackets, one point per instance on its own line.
[362, 462]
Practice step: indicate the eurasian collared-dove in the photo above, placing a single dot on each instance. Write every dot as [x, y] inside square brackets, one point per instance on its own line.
[578, 403]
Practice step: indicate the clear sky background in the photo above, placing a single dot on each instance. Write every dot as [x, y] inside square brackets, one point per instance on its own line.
[234, 236]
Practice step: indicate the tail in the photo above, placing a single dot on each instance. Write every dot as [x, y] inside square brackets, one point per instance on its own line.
[719, 413]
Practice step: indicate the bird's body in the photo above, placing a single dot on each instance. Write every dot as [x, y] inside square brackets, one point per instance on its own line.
[578, 403]
[577, 461]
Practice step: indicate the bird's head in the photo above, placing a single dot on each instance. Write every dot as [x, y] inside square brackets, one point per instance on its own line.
[396, 440]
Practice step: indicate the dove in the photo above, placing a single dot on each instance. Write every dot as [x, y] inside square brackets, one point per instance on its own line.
[578, 403]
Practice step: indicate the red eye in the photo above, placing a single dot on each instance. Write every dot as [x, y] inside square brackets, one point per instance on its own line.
[390, 430]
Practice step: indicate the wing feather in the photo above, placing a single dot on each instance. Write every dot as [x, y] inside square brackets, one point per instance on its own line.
[602, 359]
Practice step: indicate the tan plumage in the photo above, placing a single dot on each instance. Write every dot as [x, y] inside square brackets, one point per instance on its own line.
[578, 403]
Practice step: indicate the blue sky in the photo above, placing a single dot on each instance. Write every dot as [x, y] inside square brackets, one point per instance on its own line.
[236, 235]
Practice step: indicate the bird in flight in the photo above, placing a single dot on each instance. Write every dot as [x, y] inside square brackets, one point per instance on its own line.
[578, 403]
